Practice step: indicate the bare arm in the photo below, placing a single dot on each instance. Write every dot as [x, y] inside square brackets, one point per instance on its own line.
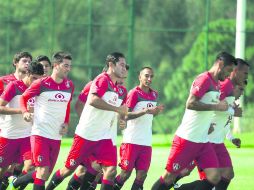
[194, 103]
[152, 110]
[79, 107]
[6, 110]
[97, 102]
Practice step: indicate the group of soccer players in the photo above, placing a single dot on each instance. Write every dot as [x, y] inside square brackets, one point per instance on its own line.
[35, 110]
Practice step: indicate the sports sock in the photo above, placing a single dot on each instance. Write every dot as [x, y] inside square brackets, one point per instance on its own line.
[223, 184]
[55, 180]
[39, 184]
[25, 179]
[107, 185]
[204, 185]
[137, 185]
[188, 186]
[87, 180]
[74, 183]
[161, 185]
[118, 183]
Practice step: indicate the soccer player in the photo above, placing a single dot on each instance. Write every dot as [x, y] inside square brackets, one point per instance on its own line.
[136, 150]
[192, 134]
[15, 133]
[20, 63]
[53, 95]
[230, 90]
[93, 136]
[44, 60]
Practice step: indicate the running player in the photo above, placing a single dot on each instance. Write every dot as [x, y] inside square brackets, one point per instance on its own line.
[51, 117]
[93, 136]
[136, 150]
[15, 133]
[192, 134]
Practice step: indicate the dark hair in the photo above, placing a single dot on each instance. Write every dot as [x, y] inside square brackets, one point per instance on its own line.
[43, 58]
[146, 67]
[35, 68]
[227, 58]
[114, 57]
[20, 55]
[241, 63]
[127, 67]
[58, 57]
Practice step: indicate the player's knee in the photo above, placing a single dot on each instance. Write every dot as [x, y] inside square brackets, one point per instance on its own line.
[214, 177]
[141, 175]
[65, 172]
[228, 174]
[110, 173]
[169, 178]
[81, 171]
[125, 175]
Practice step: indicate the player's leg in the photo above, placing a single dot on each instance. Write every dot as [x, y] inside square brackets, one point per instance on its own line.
[142, 165]
[179, 158]
[74, 158]
[128, 156]
[76, 179]
[226, 167]
[106, 155]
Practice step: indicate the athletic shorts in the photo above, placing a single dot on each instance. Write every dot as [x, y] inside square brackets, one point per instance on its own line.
[184, 152]
[103, 151]
[14, 151]
[135, 156]
[44, 151]
[222, 155]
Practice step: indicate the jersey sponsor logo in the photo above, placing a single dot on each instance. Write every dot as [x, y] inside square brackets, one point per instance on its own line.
[176, 166]
[114, 100]
[1, 159]
[58, 98]
[72, 162]
[40, 158]
[149, 105]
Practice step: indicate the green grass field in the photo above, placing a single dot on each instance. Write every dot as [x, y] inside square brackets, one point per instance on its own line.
[243, 161]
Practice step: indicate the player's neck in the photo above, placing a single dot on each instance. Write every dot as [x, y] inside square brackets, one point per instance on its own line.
[214, 74]
[144, 88]
[112, 76]
[19, 75]
[56, 78]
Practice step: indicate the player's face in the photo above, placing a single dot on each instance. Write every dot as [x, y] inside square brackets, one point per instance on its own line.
[33, 77]
[63, 68]
[119, 69]
[121, 81]
[225, 72]
[146, 77]
[238, 91]
[46, 68]
[23, 63]
[241, 74]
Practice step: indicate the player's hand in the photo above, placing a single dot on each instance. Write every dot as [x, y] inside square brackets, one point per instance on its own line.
[222, 106]
[237, 142]
[155, 110]
[63, 129]
[28, 117]
[238, 111]
[122, 110]
[211, 128]
[122, 124]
